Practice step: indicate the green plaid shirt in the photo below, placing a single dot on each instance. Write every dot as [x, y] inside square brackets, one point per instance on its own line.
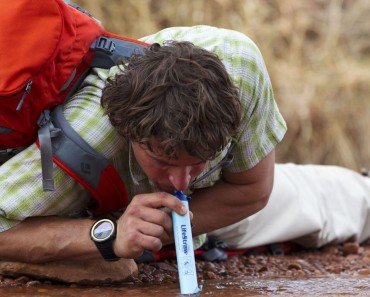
[21, 193]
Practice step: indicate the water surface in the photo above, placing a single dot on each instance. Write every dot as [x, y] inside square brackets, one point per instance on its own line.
[334, 286]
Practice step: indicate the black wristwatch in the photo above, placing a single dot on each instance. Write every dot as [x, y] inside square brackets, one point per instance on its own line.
[103, 233]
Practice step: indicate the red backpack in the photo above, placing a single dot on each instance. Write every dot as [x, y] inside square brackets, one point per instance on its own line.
[47, 48]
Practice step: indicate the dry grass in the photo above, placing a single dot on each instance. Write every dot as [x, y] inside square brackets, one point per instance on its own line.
[317, 53]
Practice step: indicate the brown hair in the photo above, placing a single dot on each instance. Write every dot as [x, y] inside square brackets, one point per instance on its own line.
[178, 93]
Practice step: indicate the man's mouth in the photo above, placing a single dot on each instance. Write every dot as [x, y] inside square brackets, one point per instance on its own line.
[164, 188]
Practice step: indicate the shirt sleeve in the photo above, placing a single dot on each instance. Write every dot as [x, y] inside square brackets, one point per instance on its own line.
[21, 192]
[262, 126]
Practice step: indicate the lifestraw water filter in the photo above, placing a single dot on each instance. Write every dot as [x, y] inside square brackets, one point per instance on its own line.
[184, 249]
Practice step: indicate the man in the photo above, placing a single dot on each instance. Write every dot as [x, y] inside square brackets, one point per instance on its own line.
[174, 113]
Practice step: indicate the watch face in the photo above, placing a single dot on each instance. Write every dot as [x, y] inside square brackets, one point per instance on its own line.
[102, 230]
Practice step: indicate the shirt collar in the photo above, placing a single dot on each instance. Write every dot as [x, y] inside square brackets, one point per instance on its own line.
[137, 174]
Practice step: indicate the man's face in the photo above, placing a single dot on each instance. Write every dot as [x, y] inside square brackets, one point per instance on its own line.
[168, 174]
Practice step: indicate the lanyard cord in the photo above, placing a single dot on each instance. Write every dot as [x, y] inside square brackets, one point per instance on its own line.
[224, 162]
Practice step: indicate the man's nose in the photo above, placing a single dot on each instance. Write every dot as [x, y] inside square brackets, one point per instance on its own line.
[180, 177]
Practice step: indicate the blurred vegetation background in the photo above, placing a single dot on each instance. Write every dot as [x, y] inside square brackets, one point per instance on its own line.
[317, 53]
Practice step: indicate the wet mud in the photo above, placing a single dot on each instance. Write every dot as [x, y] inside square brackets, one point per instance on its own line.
[332, 285]
[333, 270]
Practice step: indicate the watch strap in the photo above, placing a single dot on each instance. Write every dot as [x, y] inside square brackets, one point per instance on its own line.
[106, 250]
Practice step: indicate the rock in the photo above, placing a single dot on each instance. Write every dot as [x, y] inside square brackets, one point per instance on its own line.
[289, 273]
[209, 266]
[350, 248]
[149, 269]
[364, 271]
[22, 279]
[366, 259]
[250, 261]
[165, 266]
[304, 264]
[263, 269]
[210, 275]
[317, 272]
[330, 249]
[33, 283]
[82, 272]
[294, 265]
[299, 273]
[223, 272]
[335, 269]
[352, 257]
[145, 279]
[9, 282]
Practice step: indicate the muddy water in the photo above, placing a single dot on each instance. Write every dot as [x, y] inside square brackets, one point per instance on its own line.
[334, 286]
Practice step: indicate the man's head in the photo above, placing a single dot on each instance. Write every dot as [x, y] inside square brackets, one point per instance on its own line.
[174, 98]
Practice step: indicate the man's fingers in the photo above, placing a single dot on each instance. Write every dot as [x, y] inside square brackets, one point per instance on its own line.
[157, 216]
[151, 229]
[140, 243]
[147, 242]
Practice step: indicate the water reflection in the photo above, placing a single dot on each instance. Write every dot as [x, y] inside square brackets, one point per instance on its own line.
[334, 286]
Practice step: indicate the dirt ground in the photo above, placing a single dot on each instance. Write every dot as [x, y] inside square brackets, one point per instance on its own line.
[347, 259]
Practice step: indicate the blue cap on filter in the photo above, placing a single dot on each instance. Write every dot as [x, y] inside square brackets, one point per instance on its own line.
[181, 195]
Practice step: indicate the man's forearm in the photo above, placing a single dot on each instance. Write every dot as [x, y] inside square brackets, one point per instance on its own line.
[42, 239]
[223, 205]
[237, 196]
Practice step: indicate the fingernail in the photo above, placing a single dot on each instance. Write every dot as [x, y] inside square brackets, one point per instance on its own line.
[183, 210]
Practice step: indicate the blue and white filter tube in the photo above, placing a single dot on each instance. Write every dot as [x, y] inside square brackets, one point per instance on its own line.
[184, 249]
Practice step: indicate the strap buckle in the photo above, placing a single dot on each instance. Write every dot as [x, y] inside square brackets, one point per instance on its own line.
[44, 118]
[105, 44]
[6, 154]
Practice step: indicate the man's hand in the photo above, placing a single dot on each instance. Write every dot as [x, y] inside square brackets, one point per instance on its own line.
[144, 226]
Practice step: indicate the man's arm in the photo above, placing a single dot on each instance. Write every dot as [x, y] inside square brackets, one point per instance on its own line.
[235, 197]
[51, 238]
[42, 239]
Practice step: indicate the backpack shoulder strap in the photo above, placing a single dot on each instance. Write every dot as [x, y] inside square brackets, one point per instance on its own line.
[88, 167]
[75, 156]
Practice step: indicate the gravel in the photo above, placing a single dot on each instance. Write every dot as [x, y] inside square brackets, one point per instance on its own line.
[349, 259]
